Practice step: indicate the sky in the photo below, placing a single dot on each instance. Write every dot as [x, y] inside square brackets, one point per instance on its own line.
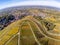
[10, 3]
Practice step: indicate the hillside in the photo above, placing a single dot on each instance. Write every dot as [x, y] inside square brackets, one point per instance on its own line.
[30, 25]
[31, 30]
[9, 15]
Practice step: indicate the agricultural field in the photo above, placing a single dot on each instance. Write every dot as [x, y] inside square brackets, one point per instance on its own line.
[30, 26]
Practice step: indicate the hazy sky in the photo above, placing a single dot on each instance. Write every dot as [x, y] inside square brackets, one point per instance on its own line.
[9, 3]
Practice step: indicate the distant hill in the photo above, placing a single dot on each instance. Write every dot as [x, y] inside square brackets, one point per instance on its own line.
[19, 12]
[25, 7]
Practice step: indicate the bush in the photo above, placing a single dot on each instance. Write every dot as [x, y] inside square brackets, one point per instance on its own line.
[49, 25]
[4, 20]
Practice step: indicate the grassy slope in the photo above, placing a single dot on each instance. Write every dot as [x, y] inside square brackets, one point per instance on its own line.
[26, 34]
[55, 30]
[42, 39]
[14, 41]
[8, 32]
[56, 22]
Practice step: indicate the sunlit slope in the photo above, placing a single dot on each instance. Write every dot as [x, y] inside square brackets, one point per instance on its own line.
[26, 34]
[13, 41]
[41, 28]
[32, 32]
[9, 32]
[54, 31]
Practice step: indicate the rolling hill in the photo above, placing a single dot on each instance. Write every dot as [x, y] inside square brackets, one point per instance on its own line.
[32, 25]
[28, 31]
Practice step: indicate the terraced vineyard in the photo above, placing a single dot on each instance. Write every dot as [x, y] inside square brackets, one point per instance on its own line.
[31, 28]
